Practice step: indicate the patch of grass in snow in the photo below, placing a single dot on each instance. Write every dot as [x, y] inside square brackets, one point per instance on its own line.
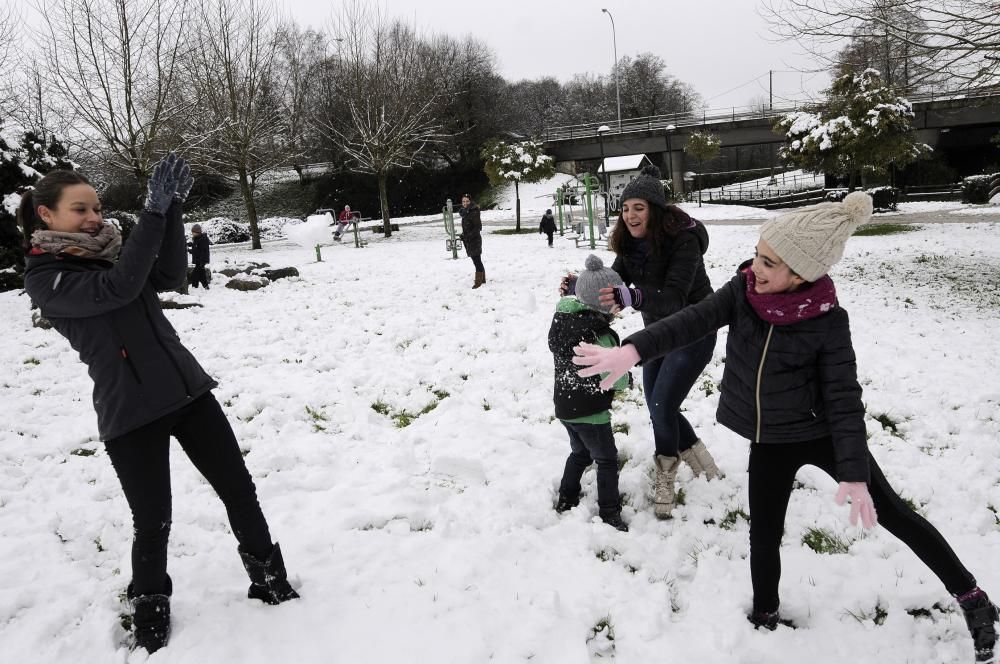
[32, 360]
[708, 386]
[83, 452]
[486, 405]
[914, 505]
[440, 394]
[607, 555]
[403, 419]
[623, 459]
[996, 516]
[317, 417]
[888, 423]
[513, 231]
[821, 540]
[381, 407]
[732, 516]
[680, 498]
[621, 427]
[866, 230]
[876, 616]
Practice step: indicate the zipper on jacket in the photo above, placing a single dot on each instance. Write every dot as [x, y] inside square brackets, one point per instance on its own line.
[760, 374]
[131, 366]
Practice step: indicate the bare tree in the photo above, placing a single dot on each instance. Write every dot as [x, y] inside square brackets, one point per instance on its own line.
[385, 99]
[301, 56]
[9, 51]
[113, 65]
[240, 129]
[955, 38]
[647, 89]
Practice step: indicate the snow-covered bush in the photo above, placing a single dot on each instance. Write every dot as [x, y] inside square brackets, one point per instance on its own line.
[884, 198]
[976, 188]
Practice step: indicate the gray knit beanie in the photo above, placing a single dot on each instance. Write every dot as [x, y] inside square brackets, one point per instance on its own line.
[647, 187]
[593, 278]
[811, 240]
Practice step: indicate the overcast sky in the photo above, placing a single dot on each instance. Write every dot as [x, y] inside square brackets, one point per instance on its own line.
[721, 47]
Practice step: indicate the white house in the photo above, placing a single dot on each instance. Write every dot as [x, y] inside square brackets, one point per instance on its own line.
[621, 171]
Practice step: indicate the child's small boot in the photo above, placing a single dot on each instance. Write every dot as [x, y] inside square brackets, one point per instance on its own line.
[566, 503]
[769, 620]
[151, 617]
[700, 459]
[663, 486]
[268, 580]
[981, 617]
[614, 519]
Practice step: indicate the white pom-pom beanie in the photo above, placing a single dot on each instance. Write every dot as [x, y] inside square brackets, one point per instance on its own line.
[811, 240]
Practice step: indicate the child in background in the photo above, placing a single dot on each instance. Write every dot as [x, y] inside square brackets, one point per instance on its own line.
[581, 405]
[198, 248]
[790, 386]
[548, 225]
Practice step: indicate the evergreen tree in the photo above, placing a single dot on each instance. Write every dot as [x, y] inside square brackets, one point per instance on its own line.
[21, 166]
[862, 127]
[517, 163]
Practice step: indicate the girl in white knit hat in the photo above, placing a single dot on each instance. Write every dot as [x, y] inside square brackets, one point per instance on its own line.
[790, 386]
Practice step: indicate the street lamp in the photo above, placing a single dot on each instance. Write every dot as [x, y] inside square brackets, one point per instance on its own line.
[670, 159]
[614, 43]
[604, 170]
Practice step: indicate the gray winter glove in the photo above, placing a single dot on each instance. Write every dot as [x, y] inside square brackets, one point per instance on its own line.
[186, 182]
[163, 183]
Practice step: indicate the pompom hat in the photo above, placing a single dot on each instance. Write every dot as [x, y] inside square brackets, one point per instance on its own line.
[593, 278]
[647, 187]
[811, 240]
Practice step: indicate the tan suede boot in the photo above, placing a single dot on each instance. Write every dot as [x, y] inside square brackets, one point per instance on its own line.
[698, 457]
[663, 486]
[480, 279]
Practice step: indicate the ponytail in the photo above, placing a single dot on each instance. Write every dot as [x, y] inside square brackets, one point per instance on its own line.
[47, 192]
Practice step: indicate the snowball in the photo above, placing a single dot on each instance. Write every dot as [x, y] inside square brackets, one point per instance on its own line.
[315, 230]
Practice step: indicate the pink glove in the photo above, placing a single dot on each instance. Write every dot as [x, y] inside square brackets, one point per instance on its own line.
[598, 360]
[861, 503]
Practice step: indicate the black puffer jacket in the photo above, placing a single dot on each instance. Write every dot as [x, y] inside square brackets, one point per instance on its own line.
[200, 253]
[782, 384]
[472, 229]
[671, 281]
[575, 396]
[111, 316]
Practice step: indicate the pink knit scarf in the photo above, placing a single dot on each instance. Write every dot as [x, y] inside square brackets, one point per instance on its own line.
[810, 301]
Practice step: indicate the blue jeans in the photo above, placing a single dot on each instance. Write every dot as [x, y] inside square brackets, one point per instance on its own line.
[592, 443]
[666, 382]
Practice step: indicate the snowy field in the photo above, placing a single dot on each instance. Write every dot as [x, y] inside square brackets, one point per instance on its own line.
[399, 428]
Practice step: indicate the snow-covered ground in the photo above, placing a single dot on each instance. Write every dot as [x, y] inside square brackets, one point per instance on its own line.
[793, 180]
[437, 541]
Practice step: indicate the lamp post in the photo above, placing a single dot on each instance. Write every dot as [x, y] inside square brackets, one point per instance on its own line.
[614, 43]
[604, 170]
[670, 159]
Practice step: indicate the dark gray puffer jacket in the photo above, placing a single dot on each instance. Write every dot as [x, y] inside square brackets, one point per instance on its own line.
[111, 315]
[782, 383]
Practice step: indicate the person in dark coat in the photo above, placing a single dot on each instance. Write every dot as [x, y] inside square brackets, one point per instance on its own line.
[582, 407]
[200, 256]
[790, 386]
[472, 237]
[659, 253]
[548, 225]
[147, 385]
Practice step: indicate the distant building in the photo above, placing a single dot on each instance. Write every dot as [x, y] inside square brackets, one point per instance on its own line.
[621, 171]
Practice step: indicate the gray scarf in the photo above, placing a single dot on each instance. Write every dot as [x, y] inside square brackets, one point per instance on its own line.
[105, 244]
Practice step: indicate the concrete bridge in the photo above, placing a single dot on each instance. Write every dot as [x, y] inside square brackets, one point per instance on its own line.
[947, 122]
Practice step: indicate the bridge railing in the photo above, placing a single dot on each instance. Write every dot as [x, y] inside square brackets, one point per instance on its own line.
[733, 114]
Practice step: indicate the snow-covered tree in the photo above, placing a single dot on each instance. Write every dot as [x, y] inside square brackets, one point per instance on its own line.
[21, 165]
[862, 127]
[517, 163]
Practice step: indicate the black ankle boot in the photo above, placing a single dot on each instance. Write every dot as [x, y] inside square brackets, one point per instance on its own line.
[566, 503]
[769, 620]
[151, 618]
[981, 617]
[268, 580]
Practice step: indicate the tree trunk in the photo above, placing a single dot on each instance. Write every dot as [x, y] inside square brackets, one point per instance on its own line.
[383, 198]
[251, 208]
[517, 206]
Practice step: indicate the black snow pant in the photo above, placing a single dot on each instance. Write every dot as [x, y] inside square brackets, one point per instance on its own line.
[549, 234]
[141, 459]
[592, 443]
[772, 472]
[477, 261]
[198, 276]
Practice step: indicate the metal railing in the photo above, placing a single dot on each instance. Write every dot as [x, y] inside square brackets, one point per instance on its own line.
[733, 114]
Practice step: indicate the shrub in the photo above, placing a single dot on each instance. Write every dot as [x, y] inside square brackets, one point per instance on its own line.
[884, 198]
[976, 188]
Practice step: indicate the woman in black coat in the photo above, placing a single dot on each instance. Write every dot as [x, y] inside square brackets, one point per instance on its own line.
[147, 385]
[472, 237]
[659, 253]
[790, 386]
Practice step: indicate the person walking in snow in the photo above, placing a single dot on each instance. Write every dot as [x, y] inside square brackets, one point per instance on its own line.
[548, 225]
[472, 237]
[790, 386]
[659, 251]
[199, 256]
[581, 405]
[147, 385]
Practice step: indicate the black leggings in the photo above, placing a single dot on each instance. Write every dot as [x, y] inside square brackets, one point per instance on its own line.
[478, 262]
[141, 459]
[772, 471]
